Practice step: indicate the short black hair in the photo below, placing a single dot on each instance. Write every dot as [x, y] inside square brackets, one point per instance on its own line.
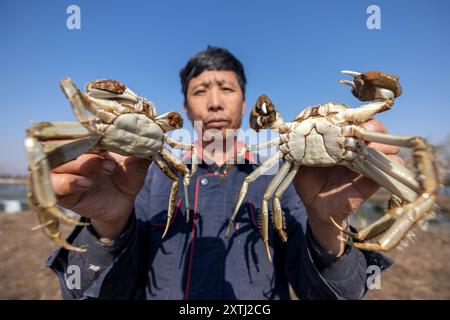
[212, 59]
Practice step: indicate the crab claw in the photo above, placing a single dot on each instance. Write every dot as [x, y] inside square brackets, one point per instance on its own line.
[351, 73]
[373, 85]
[263, 113]
[113, 97]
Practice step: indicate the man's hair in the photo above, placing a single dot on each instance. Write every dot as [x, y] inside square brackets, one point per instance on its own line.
[212, 59]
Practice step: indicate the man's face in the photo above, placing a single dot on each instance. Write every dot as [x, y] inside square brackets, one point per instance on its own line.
[216, 100]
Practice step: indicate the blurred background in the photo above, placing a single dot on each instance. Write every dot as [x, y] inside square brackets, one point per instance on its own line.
[292, 51]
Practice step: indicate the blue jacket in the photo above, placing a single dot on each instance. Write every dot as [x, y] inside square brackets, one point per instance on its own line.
[195, 261]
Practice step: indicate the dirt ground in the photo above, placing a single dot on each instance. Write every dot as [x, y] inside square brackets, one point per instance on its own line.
[421, 271]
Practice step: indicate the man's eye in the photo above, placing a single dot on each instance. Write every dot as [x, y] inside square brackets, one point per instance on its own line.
[226, 89]
[199, 92]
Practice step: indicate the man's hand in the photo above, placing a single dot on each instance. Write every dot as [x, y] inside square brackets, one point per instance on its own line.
[101, 186]
[337, 192]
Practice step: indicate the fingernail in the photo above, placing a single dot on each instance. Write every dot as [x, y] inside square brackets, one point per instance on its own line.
[109, 165]
[85, 182]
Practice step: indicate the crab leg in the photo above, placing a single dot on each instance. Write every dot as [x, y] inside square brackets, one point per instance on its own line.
[180, 166]
[61, 130]
[384, 179]
[265, 145]
[40, 173]
[408, 215]
[394, 169]
[381, 169]
[62, 141]
[186, 147]
[371, 231]
[79, 103]
[265, 166]
[367, 111]
[173, 191]
[397, 171]
[41, 195]
[273, 185]
[47, 219]
[240, 156]
[59, 154]
[279, 220]
[96, 105]
[194, 164]
[367, 135]
[391, 175]
[52, 231]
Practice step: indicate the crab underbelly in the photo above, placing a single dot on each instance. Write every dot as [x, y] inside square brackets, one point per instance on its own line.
[133, 134]
[317, 144]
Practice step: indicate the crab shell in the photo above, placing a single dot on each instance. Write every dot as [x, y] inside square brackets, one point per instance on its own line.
[316, 137]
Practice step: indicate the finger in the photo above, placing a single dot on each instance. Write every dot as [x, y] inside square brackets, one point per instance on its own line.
[396, 159]
[385, 148]
[129, 162]
[66, 184]
[374, 125]
[88, 164]
[137, 164]
[130, 176]
[377, 126]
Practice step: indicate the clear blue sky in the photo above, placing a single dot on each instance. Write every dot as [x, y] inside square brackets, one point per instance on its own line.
[292, 50]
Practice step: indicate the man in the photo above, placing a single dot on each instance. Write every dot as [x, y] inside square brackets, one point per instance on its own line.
[125, 202]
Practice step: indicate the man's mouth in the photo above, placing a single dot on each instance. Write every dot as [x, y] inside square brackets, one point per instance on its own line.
[217, 123]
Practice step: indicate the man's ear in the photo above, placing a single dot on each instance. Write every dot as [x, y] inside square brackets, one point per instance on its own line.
[186, 108]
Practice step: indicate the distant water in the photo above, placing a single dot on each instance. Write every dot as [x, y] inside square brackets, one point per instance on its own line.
[13, 199]
[445, 191]
[13, 192]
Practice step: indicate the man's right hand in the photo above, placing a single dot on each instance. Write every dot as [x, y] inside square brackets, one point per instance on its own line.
[102, 187]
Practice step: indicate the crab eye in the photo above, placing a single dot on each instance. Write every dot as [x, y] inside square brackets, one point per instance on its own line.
[175, 120]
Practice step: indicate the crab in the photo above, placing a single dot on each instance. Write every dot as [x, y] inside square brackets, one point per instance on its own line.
[331, 134]
[122, 122]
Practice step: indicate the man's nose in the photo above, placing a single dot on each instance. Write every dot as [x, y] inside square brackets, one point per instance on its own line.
[214, 100]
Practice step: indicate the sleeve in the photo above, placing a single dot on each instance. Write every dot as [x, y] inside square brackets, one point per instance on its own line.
[106, 271]
[311, 271]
